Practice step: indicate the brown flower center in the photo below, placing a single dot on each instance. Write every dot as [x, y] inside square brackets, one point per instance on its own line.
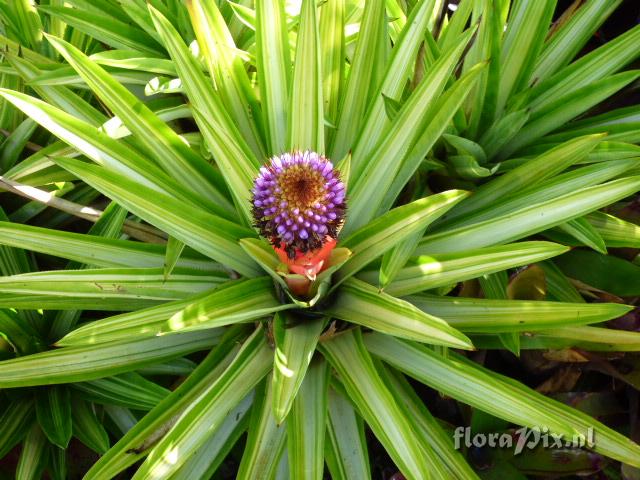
[301, 187]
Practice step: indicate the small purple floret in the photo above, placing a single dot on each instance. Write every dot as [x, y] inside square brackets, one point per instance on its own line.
[298, 201]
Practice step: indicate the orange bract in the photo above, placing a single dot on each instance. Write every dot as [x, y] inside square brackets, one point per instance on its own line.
[310, 263]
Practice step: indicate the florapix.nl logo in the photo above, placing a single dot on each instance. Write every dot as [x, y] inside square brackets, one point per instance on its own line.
[522, 438]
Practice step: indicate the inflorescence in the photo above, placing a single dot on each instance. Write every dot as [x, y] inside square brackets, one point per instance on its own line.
[298, 202]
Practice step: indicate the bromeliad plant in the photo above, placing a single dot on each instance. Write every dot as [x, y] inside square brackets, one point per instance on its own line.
[280, 220]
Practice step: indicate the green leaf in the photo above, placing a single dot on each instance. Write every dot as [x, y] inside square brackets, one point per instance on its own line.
[210, 235]
[467, 167]
[397, 72]
[96, 145]
[87, 428]
[141, 323]
[500, 396]
[244, 14]
[295, 340]
[130, 390]
[361, 83]
[17, 48]
[529, 219]
[172, 255]
[207, 413]
[61, 97]
[20, 334]
[615, 231]
[526, 30]
[158, 138]
[332, 53]
[205, 462]
[588, 69]
[228, 71]
[273, 62]
[179, 367]
[437, 118]
[565, 108]
[361, 303]
[134, 60]
[265, 441]
[393, 260]
[67, 76]
[146, 433]
[496, 286]
[16, 417]
[383, 233]
[263, 254]
[345, 446]
[605, 272]
[558, 285]
[534, 171]
[138, 11]
[457, 23]
[464, 146]
[78, 364]
[428, 428]
[565, 43]
[95, 250]
[235, 159]
[53, 409]
[306, 107]
[105, 28]
[588, 338]
[426, 272]
[368, 187]
[502, 131]
[33, 457]
[481, 315]
[235, 302]
[31, 301]
[620, 124]
[57, 463]
[13, 145]
[584, 232]
[562, 184]
[376, 404]
[26, 20]
[104, 288]
[306, 424]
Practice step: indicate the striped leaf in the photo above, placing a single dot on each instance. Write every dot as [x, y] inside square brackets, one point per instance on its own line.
[345, 446]
[148, 431]
[389, 422]
[500, 396]
[529, 219]
[385, 232]
[427, 272]
[306, 107]
[273, 61]
[53, 410]
[236, 302]
[196, 425]
[363, 304]
[165, 146]
[295, 345]
[502, 315]
[307, 422]
[266, 439]
[78, 364]
[210, 235]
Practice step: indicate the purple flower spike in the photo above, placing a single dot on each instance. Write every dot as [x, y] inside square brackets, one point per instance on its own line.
[298, 201]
